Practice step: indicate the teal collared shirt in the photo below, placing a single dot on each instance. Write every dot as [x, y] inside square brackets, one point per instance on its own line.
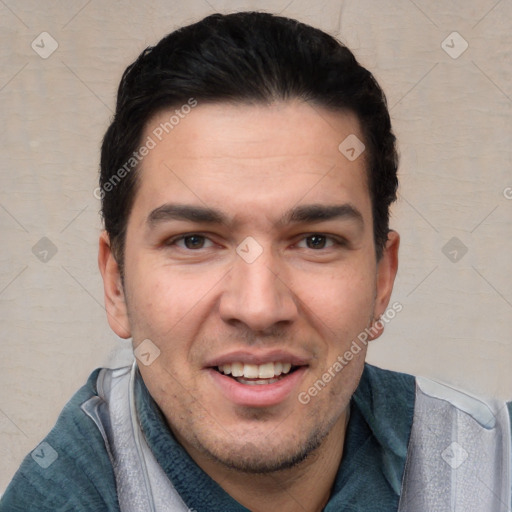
[81, 477]
[369, 475]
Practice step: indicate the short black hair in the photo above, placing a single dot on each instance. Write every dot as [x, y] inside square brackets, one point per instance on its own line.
[245, 57]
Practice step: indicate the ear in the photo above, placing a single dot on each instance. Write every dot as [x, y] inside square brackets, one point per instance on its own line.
[387, 267]
[115, 303]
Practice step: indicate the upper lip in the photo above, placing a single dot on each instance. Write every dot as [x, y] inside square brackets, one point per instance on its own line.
[244, 356]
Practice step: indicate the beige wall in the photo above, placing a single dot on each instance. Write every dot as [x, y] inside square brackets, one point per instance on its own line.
[453, 120]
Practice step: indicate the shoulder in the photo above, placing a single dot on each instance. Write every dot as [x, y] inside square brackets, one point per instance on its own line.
[69, 470]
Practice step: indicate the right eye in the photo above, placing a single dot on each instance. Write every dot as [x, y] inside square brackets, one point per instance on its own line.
[192, 242]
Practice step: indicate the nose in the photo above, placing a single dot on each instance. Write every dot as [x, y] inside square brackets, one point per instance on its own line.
[257, 295]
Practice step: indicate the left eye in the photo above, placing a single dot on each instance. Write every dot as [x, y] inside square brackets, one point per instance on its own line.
[193, 242]
[316, 241]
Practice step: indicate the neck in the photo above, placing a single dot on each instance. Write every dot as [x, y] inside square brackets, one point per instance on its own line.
[306, 487]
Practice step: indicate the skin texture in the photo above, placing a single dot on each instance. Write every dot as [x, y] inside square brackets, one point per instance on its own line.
[254, 165]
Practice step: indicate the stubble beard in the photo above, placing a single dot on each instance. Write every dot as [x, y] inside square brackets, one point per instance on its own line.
[261, 457]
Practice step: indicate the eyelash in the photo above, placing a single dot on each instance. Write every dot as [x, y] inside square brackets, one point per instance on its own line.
[175, 240]
[334, 240]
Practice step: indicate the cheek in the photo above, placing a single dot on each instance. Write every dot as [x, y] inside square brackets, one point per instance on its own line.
[341, 298]
[153, 304]
[168, 302]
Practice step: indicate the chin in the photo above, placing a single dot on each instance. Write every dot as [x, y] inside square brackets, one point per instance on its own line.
[262, 456]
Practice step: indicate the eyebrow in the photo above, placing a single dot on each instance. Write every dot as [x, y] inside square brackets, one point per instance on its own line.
[300, 214]
[169, 211]
[320, 213]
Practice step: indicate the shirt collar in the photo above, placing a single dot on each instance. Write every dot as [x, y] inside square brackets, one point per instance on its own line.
[376, 444]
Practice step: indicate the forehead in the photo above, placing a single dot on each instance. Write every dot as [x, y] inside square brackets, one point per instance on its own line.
[229, 156]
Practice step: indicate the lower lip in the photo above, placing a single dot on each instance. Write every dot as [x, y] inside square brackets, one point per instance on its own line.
[257, 395]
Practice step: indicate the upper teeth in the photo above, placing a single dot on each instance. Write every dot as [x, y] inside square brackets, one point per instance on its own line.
[255, 371]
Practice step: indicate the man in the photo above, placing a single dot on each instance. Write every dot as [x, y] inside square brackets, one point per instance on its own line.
[245, 182]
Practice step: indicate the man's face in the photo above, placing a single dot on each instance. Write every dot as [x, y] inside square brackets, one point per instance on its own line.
[250, 264]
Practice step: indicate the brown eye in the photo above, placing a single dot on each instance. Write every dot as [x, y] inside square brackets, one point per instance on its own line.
[316, 242]
[194, 241]
[190, 242]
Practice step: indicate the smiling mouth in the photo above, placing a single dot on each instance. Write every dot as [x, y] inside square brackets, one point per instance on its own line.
[257, 374]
